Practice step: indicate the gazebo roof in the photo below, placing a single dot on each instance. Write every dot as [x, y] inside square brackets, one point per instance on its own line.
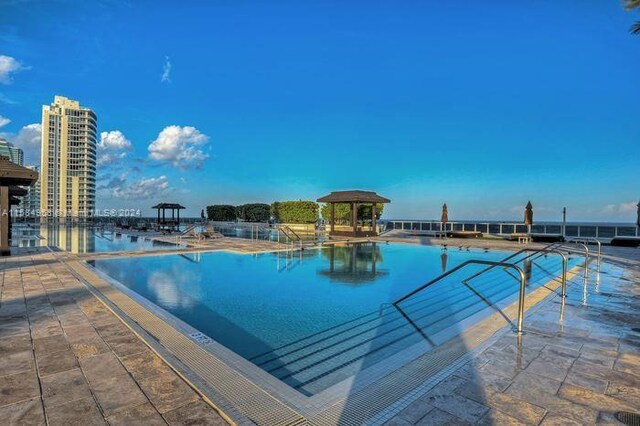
[354, 196]
[12, 174]
[17, 191]
[168, 206]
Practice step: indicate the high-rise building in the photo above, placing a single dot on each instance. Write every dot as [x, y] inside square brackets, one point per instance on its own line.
[31, 202]
[68, 161]
[15, 154]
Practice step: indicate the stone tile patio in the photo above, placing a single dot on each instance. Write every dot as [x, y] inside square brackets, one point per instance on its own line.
[65, 358]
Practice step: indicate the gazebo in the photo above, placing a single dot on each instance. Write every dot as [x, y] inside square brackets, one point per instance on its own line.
[354, 198]
[163, 222]
[12, 176]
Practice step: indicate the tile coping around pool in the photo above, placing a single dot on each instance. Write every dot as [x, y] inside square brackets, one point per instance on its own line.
[244, 391]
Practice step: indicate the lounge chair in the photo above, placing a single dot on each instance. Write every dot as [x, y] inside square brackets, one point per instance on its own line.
[208, 233]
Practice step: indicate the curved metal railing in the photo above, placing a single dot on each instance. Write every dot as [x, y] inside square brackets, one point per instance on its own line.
[523, 283]
[542, 251]
[588, 240]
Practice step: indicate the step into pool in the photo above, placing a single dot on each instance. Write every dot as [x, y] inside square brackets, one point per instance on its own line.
[316, 317]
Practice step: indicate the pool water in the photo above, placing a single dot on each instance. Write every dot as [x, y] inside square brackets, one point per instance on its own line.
[84, 239]
[316, 317]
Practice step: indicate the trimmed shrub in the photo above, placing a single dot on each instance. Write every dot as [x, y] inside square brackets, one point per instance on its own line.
[256, 212]
[295, 211]
[221, 213]
[343, 212]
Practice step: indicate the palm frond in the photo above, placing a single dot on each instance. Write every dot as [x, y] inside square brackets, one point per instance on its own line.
[631, 4]
[635, 28]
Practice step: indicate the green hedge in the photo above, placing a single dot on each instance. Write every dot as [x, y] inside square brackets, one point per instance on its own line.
[295, 211]
[222, 213]
[343, 212]
[256, 212]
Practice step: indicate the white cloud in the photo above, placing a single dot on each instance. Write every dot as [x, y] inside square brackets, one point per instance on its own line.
[4, 121]
[619, 209]
[29, 139]
[9, 66]
[142, 189]
[179, 146]
[631, 206]
[113, 146]
[166, 71]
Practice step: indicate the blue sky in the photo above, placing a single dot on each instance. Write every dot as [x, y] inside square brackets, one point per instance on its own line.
[484, 105]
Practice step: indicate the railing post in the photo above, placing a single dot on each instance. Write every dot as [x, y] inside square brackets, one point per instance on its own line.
[523, 283]
[564, 274]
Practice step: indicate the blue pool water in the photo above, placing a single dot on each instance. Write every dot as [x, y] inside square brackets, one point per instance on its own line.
[315, 317]
[84, 239]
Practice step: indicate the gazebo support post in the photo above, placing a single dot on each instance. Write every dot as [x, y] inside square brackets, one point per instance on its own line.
[354, 218]
[178, 221]
[373, 219]
[333, 217]
[5, 250]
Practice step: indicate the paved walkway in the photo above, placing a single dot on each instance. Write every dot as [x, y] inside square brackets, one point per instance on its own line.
[66, 359]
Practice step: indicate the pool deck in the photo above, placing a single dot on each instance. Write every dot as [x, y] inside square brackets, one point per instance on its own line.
[67, 356]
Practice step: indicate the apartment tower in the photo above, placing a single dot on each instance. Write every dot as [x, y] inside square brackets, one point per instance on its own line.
[68, 164]
[8, 150]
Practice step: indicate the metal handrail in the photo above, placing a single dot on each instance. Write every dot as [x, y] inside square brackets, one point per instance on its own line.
[588, 240]
[548, 249]
[286, 230]
[511, 256]
[586, 255]
[523, 283]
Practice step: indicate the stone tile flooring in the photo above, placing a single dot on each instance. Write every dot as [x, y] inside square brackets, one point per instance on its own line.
[580, 369]
[67, 359]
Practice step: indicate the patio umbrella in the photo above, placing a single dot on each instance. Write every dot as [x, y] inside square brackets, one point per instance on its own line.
[528, 214]
[445, 216]
[638, 219]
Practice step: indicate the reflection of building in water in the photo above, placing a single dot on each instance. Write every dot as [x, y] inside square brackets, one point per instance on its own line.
[355, 263]
[74, 239]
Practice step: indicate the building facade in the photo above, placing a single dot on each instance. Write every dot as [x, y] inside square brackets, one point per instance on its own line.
[31, 202]
[8, 150]
[68, 160]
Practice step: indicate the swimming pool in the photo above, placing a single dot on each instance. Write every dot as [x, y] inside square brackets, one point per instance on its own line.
[84, 239]
[316, 317]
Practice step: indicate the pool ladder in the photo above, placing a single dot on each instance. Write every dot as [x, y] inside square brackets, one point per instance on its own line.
[291, 235]
[506, 264]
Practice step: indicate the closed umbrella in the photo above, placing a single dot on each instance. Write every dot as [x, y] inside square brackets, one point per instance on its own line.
[638, 219]
[445, 216]
[528, 215]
